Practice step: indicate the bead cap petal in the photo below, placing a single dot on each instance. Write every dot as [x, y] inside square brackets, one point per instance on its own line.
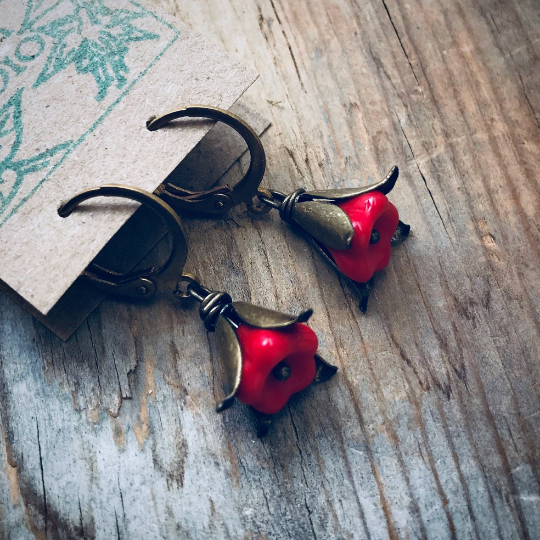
[326, 222]
[325, 371]
[385, 186]
[267, 318]
[231, 355]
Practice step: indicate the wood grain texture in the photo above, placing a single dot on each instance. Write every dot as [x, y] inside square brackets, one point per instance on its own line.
[431, 429]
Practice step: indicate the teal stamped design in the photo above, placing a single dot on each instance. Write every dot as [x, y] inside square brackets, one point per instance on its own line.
[102, 56]
[90, 37]
[13, 171]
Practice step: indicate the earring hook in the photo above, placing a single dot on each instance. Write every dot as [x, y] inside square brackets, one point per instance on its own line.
[142, 283]
[221, 199]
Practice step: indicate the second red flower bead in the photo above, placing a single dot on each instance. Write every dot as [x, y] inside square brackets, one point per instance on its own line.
[374, 219]
[277, 363]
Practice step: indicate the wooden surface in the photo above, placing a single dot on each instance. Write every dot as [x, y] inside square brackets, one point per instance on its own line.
[431, 429]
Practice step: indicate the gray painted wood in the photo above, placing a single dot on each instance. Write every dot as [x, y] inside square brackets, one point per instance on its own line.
[431, 429]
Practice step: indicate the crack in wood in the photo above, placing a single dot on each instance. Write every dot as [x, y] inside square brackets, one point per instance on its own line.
[45, 516]
[424, 180]
[289, 47]
[400, 42]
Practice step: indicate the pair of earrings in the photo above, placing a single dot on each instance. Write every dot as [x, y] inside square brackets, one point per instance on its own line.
[267, 355]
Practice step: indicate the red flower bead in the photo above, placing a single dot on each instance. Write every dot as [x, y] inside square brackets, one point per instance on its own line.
[293, 347]
[368, 213]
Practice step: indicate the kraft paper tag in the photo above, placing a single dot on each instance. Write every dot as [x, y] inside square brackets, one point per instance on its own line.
[202, 168]
[77, 83]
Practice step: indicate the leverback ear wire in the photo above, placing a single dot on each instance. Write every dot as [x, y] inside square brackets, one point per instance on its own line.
[142, 283]
[219, 200]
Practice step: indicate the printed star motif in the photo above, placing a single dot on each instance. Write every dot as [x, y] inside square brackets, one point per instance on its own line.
[95, 39]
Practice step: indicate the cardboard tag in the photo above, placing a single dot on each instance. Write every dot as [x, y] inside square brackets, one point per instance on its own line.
[202, 168]
[77, 84]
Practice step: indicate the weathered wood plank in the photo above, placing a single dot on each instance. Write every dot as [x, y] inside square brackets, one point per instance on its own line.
[432, 427]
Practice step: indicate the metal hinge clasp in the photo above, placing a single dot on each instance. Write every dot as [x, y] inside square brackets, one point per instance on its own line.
[221, 199]
[142, 283]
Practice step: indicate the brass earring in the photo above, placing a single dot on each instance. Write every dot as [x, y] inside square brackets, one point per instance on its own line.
[353, 229]
[279, 350]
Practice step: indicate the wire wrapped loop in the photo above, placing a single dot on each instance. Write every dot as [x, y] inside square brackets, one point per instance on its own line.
[212, 302]
[287, 206]
[211, 307]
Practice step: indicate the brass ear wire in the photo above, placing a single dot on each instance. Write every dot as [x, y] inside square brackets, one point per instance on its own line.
[221, 199]
[143, 283]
